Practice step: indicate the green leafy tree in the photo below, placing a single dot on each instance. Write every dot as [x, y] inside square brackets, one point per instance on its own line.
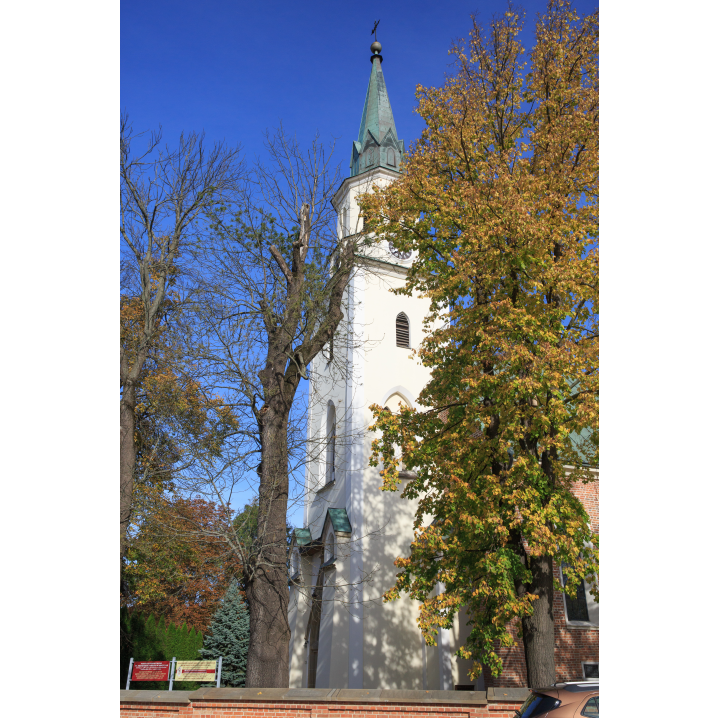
[499, 201]
[229, 638]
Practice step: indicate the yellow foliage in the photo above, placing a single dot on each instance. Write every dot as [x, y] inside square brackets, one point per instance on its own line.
[499, 203]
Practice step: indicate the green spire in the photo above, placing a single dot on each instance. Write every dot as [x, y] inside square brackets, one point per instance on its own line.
[378, 144]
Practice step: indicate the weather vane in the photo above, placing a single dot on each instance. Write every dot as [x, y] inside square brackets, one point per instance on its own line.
[373, 32]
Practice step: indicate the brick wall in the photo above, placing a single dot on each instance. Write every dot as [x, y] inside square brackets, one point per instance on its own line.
[318, 703]
[574, 644]
[588, 493]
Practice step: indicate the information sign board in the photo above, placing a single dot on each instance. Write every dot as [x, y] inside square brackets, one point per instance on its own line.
[151, 671]
[196, 671]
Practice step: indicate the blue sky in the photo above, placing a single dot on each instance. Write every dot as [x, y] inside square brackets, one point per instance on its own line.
[234, 68]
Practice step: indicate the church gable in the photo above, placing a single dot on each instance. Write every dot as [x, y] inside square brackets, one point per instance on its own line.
[390, 139]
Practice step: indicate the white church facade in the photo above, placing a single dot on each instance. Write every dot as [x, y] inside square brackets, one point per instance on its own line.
[343, 635]
[342, 559]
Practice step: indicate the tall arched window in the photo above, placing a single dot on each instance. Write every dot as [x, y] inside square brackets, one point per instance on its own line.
[402, 330]
[329, 549]
[394, 404]
[331, 442]
[390, 157]
[312, 634]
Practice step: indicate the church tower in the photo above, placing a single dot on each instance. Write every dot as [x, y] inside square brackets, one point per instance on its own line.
[342, 559]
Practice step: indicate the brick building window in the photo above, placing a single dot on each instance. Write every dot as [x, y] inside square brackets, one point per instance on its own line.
[576, 608]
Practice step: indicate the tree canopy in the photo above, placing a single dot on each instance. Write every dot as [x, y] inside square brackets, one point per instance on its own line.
[178, 563]
[499, 200]
[174, 564]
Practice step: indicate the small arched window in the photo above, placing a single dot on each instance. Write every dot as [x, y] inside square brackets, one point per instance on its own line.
[391, 157]
[402, 330]
[331, 442]
[329, 550]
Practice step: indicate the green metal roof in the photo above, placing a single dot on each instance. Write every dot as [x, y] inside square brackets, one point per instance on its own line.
[302, 536]
[580, 442]
[378, 144]
[340, 520]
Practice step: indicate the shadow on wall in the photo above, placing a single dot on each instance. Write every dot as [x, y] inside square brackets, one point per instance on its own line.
[393, 656]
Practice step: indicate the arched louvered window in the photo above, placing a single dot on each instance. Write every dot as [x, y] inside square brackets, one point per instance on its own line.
[402, 330]
[390, 157]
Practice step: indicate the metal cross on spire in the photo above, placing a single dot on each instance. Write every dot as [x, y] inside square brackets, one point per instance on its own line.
[373, 32]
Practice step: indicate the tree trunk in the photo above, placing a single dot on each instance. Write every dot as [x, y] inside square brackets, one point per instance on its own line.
[127, 460]
[538, 629]
[268, 590]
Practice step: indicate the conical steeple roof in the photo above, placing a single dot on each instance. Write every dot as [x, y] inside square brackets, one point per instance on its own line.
[378, 144]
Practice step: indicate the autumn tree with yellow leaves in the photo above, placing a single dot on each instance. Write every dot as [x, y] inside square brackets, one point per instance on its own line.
[176, 419]
[499, 200]
[175, 563]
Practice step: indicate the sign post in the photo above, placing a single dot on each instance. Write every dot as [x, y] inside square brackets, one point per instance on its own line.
[174, 670]
[129, 674]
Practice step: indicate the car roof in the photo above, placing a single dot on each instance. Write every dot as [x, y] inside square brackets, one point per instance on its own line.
[569, 691]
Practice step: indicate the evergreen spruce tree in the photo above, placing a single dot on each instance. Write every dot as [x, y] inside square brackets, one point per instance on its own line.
[229, 638]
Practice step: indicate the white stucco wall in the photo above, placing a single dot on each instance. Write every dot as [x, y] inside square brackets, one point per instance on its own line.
[365, 643]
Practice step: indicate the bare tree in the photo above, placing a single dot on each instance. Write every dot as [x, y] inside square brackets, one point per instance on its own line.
[164, 196]
[273, 285]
